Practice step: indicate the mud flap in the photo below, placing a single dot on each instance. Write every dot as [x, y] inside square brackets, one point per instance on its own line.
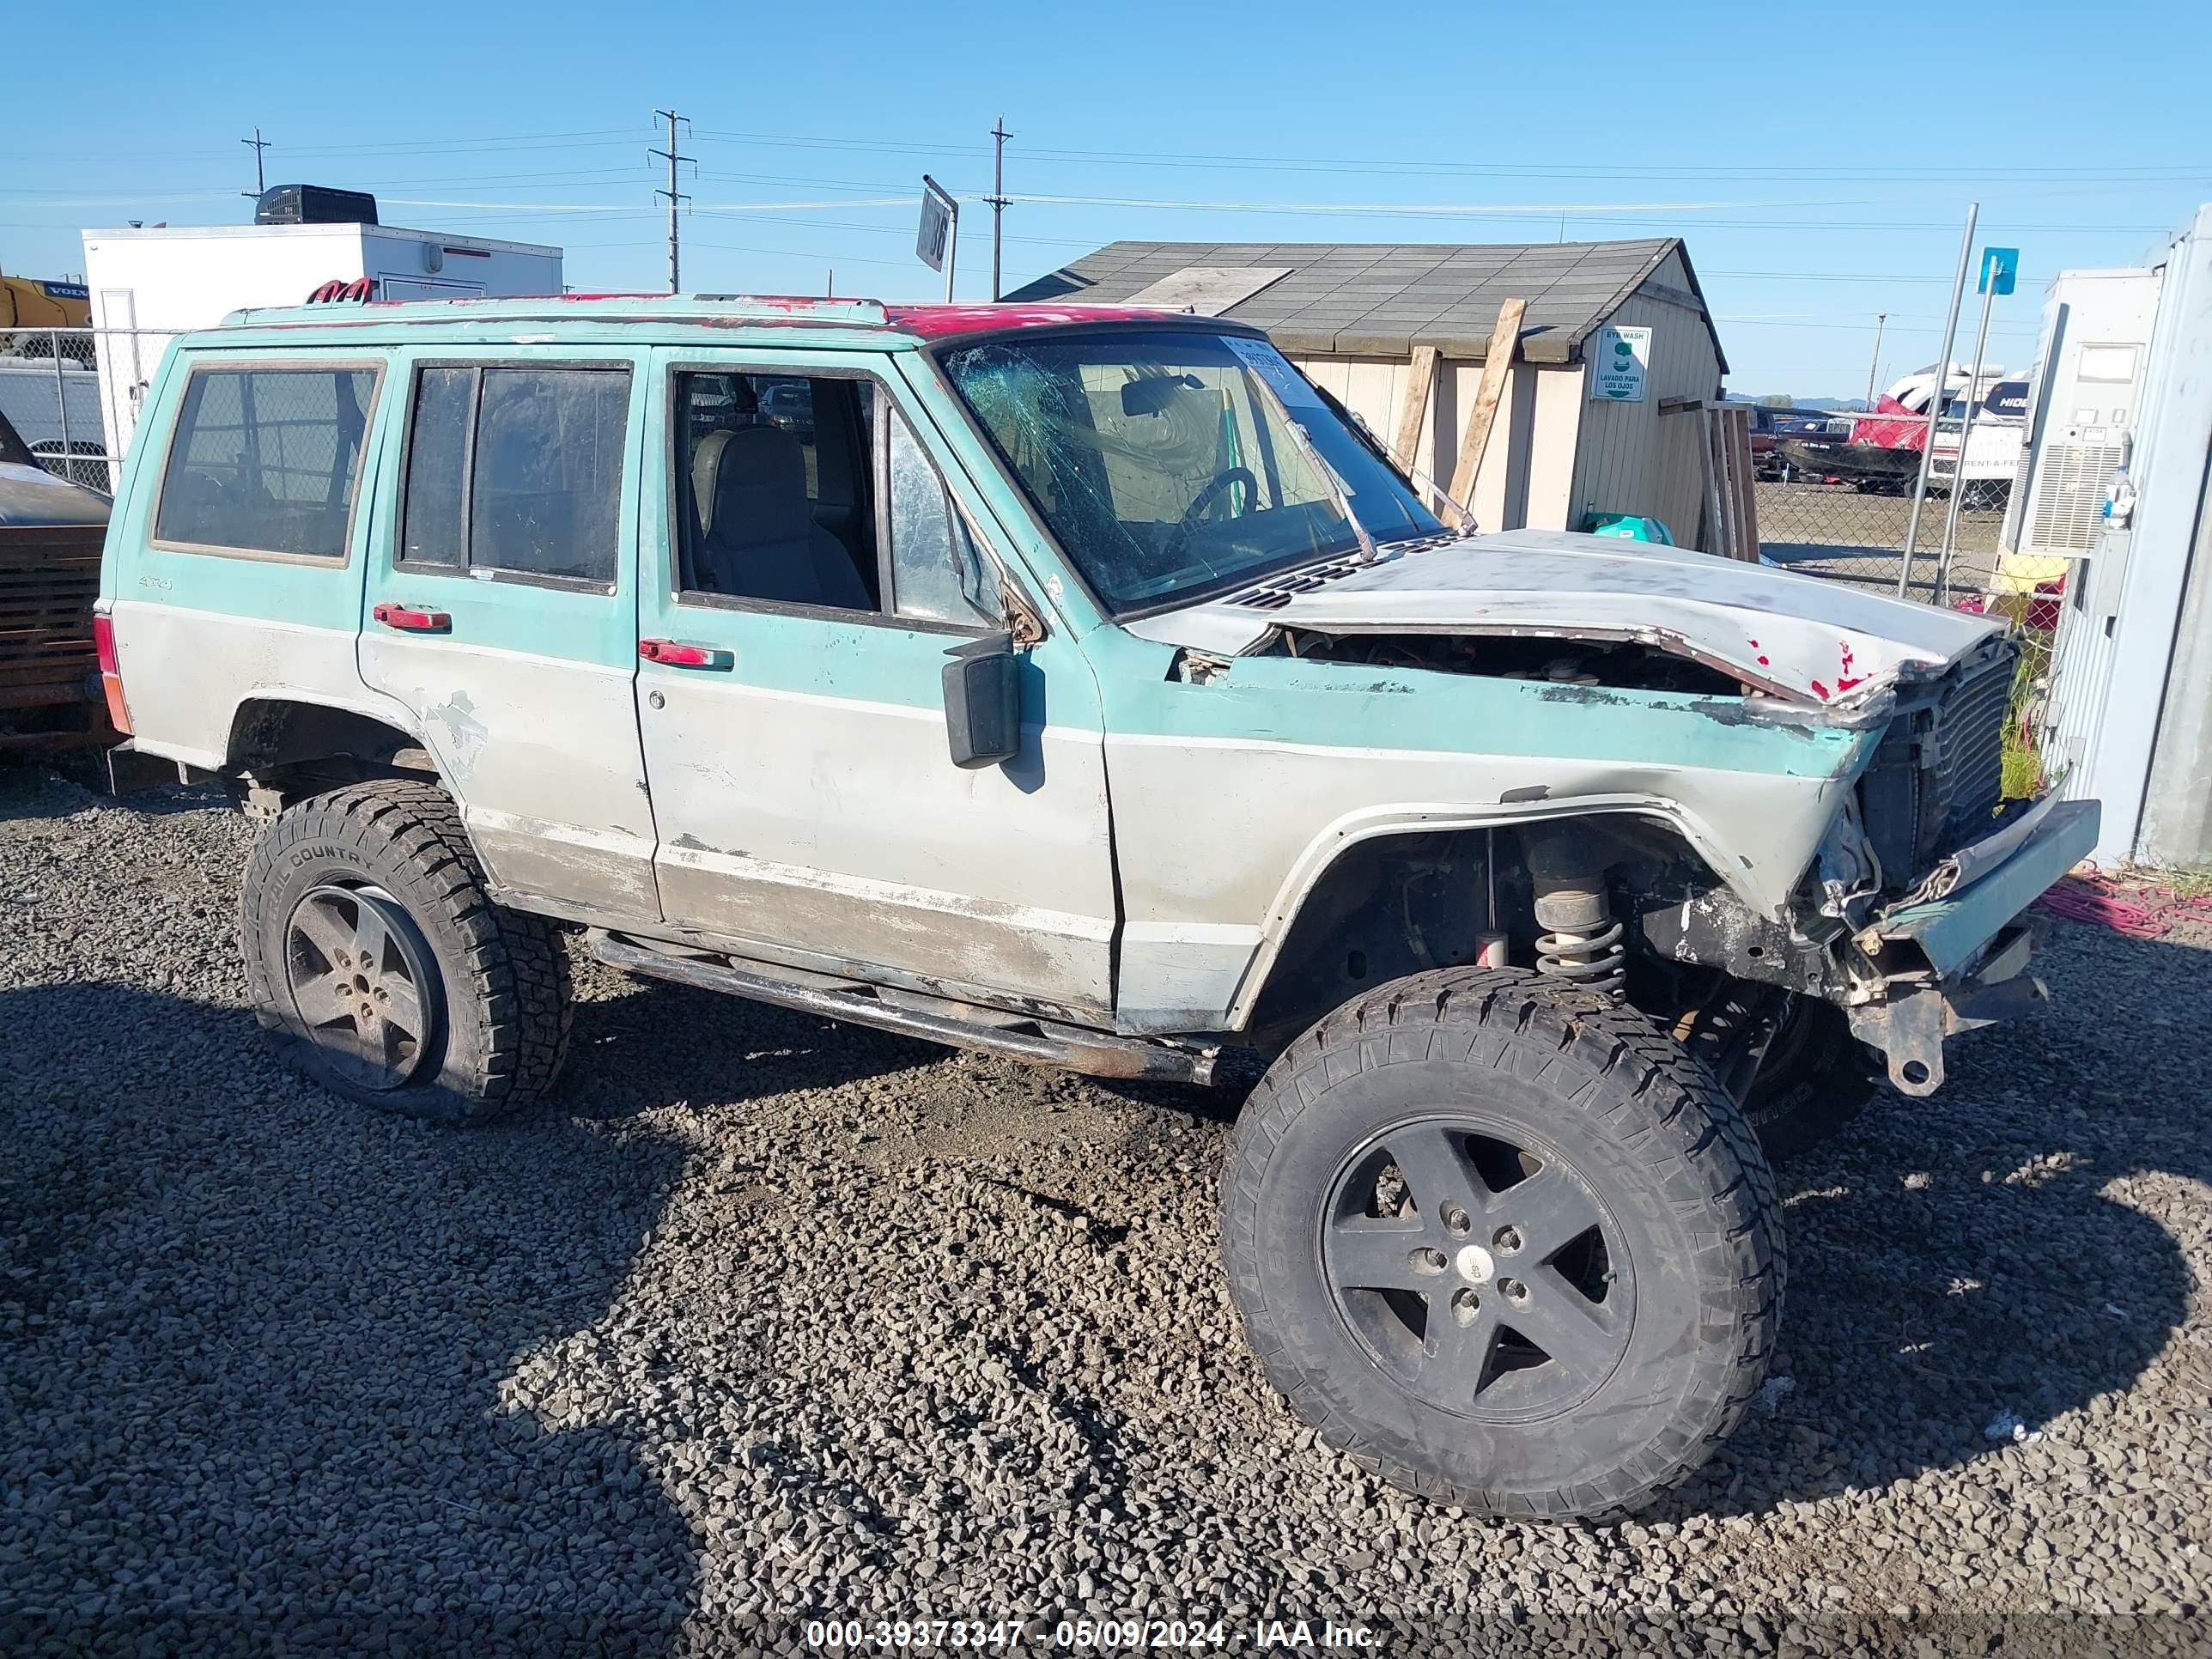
[131, 772]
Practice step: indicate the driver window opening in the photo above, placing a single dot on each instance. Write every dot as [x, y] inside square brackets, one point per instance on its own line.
[775, 487]
[791, 488]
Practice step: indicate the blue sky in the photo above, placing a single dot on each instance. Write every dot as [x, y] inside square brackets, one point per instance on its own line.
[1817, 159]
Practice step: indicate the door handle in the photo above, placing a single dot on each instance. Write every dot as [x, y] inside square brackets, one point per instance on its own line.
[681, 653]
[412, 620]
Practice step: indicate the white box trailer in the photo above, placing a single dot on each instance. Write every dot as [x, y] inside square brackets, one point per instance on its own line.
[150, 283]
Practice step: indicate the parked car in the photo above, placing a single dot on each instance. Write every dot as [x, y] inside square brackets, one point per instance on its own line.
[51, 534]
[1081, 687]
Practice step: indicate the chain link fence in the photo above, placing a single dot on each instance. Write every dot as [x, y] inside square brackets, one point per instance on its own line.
[65, 391]
[1835, 502]
[1835, 506]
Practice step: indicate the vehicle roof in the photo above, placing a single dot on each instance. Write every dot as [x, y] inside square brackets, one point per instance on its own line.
[882, 325]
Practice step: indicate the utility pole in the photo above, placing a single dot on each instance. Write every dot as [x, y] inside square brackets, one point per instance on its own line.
[257, 144]
[676, 199]
[997, 198]
[1873, 369]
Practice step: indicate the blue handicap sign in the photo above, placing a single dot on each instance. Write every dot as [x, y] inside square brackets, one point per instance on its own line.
[2000, 265]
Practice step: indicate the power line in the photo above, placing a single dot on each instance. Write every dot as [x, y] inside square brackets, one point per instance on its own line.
[257, 144]
[997, 198]
[1951, 173]
[676, 200]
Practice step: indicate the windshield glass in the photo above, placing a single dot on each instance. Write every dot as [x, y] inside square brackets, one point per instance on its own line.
[1165, 466]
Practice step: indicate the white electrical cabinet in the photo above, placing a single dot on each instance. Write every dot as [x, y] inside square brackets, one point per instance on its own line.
[2084, 402]
[149, 283]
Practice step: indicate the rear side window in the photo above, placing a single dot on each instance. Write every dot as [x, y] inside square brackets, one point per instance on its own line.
[266, 460]
[517, 470]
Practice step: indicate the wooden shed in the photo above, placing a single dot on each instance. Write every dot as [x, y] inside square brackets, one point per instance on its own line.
[1603, 411]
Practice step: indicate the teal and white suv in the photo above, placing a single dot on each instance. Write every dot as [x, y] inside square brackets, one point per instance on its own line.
[1083, 684]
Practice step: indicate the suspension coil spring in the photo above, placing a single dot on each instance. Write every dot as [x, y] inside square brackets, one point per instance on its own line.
[1596, 961]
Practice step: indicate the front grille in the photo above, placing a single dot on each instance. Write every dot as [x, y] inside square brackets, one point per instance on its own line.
[1938, 779]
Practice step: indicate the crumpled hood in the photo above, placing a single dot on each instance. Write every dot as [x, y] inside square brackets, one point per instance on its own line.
[1805, 638]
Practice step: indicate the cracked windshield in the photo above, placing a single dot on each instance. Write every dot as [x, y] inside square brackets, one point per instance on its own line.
[1167, 462]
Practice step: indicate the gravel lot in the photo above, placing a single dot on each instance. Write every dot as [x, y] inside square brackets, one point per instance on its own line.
[773, 1318]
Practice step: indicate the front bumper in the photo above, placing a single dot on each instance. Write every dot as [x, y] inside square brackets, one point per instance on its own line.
[1959, 961]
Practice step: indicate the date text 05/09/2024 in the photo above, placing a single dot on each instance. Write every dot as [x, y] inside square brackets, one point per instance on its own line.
[1088, 1635]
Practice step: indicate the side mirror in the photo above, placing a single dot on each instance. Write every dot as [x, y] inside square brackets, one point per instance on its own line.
[983, 701]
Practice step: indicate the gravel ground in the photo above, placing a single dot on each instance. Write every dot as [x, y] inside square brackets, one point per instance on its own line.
[772, 1318]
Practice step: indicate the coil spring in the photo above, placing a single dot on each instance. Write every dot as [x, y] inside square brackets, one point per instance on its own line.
[1593, 961]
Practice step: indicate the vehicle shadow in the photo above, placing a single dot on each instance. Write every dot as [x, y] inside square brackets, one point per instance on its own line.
[57, 787]
[259, 1350]
[641, 1043]
[1994, 1253]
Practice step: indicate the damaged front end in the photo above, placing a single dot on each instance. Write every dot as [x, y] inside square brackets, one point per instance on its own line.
[1911, 918]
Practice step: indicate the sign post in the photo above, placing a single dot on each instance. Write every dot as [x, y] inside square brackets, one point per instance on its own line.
[938, 242]
[1620, 358]
[1935, 401]
[2000, 266]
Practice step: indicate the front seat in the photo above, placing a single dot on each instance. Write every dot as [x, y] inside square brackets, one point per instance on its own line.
[762, 542]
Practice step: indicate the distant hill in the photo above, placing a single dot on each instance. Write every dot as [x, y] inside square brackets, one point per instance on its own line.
[1826, 405]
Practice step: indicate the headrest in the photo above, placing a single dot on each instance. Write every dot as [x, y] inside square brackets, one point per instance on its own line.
[760, 486]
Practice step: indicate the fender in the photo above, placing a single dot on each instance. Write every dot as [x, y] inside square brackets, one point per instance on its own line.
[1370, 824]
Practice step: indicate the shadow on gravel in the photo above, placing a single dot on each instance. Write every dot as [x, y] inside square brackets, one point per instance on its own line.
[255, 1340]
[57, 788]
[1958, 1259]
[658, 1043]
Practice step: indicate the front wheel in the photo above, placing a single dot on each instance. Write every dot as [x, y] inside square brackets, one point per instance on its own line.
[1505, 1244]
[383, 971]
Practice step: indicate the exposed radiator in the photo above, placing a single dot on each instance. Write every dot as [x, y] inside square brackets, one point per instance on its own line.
[1938, 778]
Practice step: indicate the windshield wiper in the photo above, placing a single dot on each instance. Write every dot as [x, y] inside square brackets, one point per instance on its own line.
[1336, 490]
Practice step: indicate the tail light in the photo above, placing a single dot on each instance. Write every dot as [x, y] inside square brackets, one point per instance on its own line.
[111, 672]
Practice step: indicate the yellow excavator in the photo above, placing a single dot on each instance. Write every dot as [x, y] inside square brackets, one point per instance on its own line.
[28, 306]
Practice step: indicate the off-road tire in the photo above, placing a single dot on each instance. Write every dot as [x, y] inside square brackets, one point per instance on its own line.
[1648, 1129]
[505, 978]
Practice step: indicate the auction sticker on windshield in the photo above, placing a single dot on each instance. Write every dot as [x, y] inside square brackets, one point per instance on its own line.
[1292, 387]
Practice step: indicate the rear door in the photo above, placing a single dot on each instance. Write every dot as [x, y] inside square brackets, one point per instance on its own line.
[502, 612]
[813, 559]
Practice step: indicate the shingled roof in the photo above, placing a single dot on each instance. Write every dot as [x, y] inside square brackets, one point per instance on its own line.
[1380, 299]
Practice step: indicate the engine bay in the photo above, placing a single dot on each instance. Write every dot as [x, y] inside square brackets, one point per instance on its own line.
[1623, 665]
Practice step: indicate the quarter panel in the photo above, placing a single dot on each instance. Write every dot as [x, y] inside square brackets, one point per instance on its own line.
[198, 634]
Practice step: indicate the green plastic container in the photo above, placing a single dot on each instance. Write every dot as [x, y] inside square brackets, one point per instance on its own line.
[1628, 527]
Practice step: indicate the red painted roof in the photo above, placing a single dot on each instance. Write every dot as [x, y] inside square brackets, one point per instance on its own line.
[934, 322]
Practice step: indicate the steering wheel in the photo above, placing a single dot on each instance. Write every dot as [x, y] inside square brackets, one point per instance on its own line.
[1204, 499]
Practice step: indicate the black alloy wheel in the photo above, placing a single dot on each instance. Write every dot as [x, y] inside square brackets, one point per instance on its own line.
[1470, 1260]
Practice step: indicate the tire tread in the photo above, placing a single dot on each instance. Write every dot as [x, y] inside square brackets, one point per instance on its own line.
[1636, 1067]
[516, 971]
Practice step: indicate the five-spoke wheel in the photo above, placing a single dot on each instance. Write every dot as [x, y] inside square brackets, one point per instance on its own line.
[364, 982]
[1471, 1263]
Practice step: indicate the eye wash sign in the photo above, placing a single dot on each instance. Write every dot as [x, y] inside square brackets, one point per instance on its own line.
[1619, 358]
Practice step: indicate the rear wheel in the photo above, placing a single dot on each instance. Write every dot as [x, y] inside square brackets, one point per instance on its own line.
[382, 969]
[1504, 1243]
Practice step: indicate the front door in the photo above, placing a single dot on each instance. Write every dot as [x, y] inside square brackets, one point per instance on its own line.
[814, 571]
[502, 608]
